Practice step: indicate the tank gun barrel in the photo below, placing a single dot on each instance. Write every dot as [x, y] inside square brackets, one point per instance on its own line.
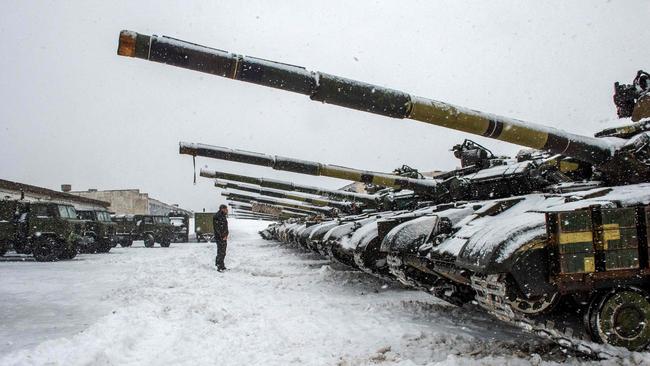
[361, 96]
[281, 194]
[253, 216]
[279, 206]
[273, 201]
[308, 167]
[249, 209]
[368, 199]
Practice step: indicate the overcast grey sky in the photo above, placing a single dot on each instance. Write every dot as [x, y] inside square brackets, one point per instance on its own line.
[71, 111]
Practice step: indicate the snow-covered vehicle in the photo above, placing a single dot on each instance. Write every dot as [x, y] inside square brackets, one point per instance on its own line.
[203, 227]
[149, 228]
[554, 240]
[47, 230]
[101, 228]
[180, 225]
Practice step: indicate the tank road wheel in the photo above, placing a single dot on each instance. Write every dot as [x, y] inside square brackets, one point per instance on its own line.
[149, 241]
[46, 249]
[621, 318]
[535, 306]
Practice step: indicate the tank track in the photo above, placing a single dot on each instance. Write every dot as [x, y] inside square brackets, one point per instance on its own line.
[397, 269]
[441, 288]
[359, 261]
[491, 296]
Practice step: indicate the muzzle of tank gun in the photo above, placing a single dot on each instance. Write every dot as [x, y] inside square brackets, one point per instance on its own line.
[424, 186]
[361, 96]
[368, 199]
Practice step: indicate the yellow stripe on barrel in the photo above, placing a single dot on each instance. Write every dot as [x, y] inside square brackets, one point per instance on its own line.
[445, 115]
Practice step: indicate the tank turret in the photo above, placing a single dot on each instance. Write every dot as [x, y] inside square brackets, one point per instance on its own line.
[616, 158]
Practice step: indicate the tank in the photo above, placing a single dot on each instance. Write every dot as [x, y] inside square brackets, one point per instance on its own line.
[554, 240]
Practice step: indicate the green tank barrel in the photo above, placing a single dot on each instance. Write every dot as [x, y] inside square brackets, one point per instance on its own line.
[249, 208]
[250, 212]
[368, 199]
[361, 96]
[252, 216]
[283, 213]
[277, 205]
[277, 202]
[281, 194]
[308, 167]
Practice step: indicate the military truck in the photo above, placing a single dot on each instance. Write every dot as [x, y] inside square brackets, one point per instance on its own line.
[101, 228]
[203, 227]
[47, 230]
[181, 224]
[124, 229]
[149, 228]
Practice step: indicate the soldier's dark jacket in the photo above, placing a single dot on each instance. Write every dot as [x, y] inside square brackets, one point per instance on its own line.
[220, 224]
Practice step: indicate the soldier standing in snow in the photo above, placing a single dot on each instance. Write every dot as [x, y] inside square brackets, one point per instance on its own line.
[220, 224]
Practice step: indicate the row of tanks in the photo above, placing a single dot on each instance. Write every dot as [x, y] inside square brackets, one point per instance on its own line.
[554, 240]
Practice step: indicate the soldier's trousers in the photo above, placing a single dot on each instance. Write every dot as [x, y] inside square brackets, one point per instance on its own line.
[221, 254]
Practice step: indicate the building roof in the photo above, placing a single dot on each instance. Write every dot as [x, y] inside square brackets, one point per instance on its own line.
[15, 186]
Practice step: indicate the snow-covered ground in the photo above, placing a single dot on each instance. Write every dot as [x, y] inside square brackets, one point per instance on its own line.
[276, 306]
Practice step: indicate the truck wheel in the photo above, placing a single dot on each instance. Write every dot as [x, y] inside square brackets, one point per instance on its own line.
[149, 241]
[621, 318]
[69, 253]
[92, 247]
[165, 243]
[3, 248]
[103, 246]
[45, 249]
